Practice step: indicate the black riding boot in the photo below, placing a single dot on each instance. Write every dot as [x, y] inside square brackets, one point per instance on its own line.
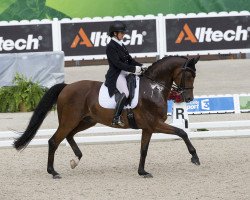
[118, 110]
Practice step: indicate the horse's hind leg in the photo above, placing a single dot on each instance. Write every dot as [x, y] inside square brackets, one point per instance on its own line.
[145, 139]
[83, 125]
[54, 142]
[168, 129]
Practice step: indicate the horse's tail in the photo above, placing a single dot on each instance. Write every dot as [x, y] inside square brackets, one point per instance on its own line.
[44, 106]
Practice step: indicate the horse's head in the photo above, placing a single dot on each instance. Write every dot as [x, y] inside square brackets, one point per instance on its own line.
[184, 79]
[177, 69]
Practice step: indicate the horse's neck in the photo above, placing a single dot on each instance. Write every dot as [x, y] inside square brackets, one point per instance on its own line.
[164, 73]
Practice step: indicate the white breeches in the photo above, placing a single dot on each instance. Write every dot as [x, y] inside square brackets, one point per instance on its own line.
[121, 83]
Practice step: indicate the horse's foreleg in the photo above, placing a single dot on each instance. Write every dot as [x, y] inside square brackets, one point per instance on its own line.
[168, 129]
[145, 139]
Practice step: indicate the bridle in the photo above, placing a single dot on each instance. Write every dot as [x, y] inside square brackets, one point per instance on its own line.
[182, 87]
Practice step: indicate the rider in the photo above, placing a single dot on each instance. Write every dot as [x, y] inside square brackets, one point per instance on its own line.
[120, 65]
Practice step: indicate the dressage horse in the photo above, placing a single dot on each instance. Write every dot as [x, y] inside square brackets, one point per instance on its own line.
[78, 109]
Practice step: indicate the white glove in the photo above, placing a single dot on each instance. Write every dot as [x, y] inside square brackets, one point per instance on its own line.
[138, 70]
[144, 67]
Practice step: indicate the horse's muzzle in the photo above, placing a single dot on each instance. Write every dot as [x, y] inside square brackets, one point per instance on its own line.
[187, 100]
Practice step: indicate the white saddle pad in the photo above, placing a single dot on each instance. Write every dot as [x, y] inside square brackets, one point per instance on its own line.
[106, 101]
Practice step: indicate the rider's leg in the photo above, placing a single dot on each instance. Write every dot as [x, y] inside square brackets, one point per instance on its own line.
[121, 85]
[118, 110]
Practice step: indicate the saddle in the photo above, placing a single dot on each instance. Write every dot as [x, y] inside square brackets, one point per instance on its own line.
[108, 102]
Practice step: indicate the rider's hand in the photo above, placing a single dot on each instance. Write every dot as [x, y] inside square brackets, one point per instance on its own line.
[138, 70]
[144, 67]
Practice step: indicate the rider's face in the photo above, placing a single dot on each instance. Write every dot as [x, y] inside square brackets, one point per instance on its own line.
[119, 35]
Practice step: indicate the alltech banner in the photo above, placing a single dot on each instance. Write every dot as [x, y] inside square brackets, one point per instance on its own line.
[91, 38]
[207, 33]
[26, 38]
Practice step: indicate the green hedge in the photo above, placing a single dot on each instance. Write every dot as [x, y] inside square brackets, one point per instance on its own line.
[23, 96]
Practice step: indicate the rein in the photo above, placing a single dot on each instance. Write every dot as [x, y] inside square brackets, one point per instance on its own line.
[161, 84]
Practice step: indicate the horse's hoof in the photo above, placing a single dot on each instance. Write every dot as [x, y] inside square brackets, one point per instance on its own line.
[57, 176]
[148, 175]
[73, 164]
[195, 161]
[145, 175]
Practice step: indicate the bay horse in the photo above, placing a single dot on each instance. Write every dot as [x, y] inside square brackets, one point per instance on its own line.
[78, 109]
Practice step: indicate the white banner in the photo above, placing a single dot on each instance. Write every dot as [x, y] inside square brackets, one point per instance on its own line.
[46, 68]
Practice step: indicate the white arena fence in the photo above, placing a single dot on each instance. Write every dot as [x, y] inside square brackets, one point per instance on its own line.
[111, 135]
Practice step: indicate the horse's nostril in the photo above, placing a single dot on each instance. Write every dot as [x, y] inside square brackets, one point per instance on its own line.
[189, 99]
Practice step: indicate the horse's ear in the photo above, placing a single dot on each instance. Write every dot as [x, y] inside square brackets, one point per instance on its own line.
[191, 62]
[196, 59]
